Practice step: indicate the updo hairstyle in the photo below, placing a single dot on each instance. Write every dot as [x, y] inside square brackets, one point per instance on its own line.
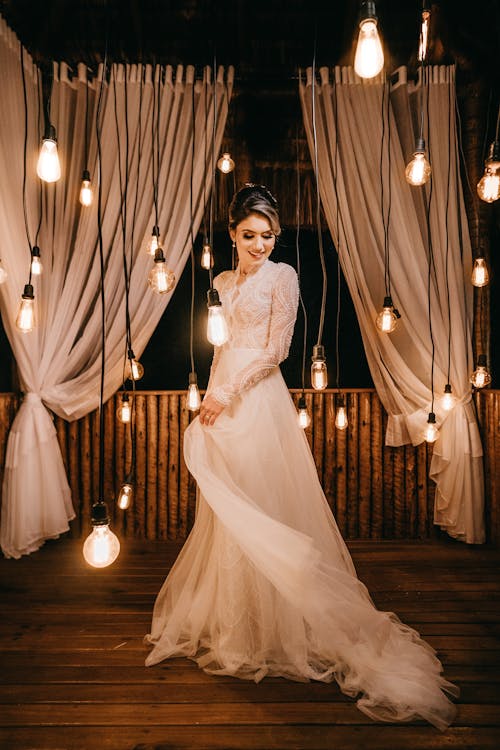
[254, 199]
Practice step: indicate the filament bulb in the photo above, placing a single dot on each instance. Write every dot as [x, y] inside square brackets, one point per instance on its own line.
[217, 330]
[161, 279]
[424, 35]
[369, 57]
[480, 377]
[418, 170]
[387, 319]
[488, 187]
[86, 194]
[207, 259]
[341, 422]
[125, 495]
[36, 263]
[124, 411]
[431, 431]
[48, 167]
[193, 399]
[304, 419]
[153, 242]
[101, 547]
[480, 276]
[133, 370]
[448, 400]
[25, 320]
[225, 163]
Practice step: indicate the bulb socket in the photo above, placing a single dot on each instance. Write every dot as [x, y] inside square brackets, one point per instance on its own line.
[28, 292]
[213, 298]
[86, 175]
[447, 388]
[35, 253]
[125, 398]
[130, 354]
[302, 402]
[340, 400]
[367, 11]
[193, 379]
[99, 515]
[156, 230]
[50, 133]
[481, 360]
[419, 146]
[432, 418]
[159, 255]
[318, 354]
[388, 301]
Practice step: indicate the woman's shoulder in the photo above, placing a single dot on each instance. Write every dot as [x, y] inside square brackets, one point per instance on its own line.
[284, 273]
[223, 278]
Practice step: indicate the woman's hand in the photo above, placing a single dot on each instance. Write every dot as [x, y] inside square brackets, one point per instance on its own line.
[210, 410]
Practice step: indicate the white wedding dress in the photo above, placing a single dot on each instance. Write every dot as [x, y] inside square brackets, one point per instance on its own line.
[264, 584]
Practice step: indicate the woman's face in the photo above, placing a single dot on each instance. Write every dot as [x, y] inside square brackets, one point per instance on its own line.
[254, 241]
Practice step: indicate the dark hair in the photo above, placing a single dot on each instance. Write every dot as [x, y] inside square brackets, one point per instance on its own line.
[254, 199]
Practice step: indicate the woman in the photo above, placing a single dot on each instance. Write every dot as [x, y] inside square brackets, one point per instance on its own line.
[265, 584]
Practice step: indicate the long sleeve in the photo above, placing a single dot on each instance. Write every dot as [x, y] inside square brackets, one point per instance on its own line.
[285, 297]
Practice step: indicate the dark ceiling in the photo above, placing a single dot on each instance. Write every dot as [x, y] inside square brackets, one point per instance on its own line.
[266, 41]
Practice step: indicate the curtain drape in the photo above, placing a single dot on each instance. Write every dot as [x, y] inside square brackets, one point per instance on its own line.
[349, 118]
[59, 362]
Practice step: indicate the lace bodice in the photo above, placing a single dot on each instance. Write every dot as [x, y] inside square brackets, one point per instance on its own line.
[260, 313]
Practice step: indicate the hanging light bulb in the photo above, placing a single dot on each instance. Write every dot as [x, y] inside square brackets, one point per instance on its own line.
[480, 276]
[3, 274]
[225, 163]
[125, 494]
[341, 421]
[480, 377]
[217, 330]
[134, 370]
[124, 411]
[25, 320]
[48, 167]
[424, 35]
[101, 547]
[418, 169]
[448, 400]
[36, 263]
[488, 187]
[193, 399]
[161, 279]
[152, 243]
[207, 259]
[303, 415]
[431, 431]
[86, 194]
[369, 57]
[387, 320]
[319, 373]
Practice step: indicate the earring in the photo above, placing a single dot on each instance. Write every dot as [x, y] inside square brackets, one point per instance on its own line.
[234, 245]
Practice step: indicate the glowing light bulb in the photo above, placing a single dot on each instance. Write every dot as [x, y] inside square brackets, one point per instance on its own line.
[124, 411]
[207, 259]
[319, 373]
[418, 169]
[431, 431]
[134, 370]
[480, 377]
[153, 242]
[488, 187]
[101, 547]
[161, 279]
[36, 263]
[3, 274]
[369, 57]
[480, 276]
[341, 421]
[448, 400]
[303, 415]
[387, 320]
[217, 330]
[25, 320]
[48, 167]
[86, 194]
[125, 495]
[225, 163]
[193, 399]
[424, 35]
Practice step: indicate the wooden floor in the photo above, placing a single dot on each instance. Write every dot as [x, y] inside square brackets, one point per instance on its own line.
[72, 659]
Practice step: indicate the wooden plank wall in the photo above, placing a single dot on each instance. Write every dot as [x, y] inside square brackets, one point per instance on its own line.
[374, 491]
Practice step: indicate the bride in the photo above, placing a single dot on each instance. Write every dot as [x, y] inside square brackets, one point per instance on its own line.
[265, 584]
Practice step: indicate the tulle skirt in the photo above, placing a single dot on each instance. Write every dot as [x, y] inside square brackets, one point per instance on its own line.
[265, 585]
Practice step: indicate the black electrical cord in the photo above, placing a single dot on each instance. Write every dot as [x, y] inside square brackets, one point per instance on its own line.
[297, 251]
[213, 193]
[191, 231]
[25, 152]
[318, 202]
[337, 218]
[447, 275]
[430, 251]
[102, 274]
[40, 188]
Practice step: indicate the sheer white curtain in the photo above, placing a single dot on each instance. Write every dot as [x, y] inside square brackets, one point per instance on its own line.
[59, 362]
[400, 363]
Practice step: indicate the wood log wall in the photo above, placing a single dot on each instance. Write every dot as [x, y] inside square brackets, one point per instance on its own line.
[374, 491]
